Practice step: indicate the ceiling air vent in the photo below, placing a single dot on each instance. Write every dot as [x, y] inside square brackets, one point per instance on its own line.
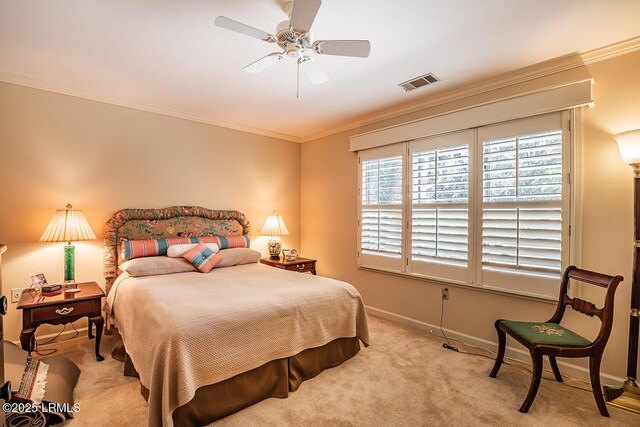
[425, 80]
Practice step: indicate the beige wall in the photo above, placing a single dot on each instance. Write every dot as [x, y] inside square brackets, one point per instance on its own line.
[329, 213]
[57, 149]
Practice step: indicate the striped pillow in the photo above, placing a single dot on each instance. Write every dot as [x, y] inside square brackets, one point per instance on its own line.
[226, 242]
[178, 251]
[157, 247]
[203, 258]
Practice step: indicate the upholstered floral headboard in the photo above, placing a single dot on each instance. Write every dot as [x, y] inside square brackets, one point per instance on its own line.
[176, 221]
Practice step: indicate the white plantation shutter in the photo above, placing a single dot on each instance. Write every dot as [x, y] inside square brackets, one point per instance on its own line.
[440, 185]
[440, 236]
[524, 206]
[381, 208]
[487, 207]
[382, 232]
[522, 239]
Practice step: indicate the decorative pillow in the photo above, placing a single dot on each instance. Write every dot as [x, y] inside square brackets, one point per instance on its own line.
[237, 256]
[203, 258]
[226, 242]
[155, 266]
[178, 251]
[157, 247]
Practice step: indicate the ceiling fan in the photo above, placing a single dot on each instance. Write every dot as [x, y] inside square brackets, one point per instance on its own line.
[295, 38]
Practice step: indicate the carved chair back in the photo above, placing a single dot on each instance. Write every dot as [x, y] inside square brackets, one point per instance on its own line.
[605, 314]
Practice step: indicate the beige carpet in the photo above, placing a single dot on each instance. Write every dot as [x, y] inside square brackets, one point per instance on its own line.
[405, 378]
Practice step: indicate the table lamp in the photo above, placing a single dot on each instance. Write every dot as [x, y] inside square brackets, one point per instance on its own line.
[628, 397]
[68, 225]
[275, 227]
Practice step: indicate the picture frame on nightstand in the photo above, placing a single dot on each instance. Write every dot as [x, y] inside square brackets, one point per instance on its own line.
[38, 280]
[292, 255]
[289, 254]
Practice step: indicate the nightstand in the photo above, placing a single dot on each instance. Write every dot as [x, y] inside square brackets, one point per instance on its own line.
[301, 265]
[61, 309]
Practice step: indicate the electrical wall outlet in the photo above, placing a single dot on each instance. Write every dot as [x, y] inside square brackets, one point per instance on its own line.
[15, 295]
[445, 293]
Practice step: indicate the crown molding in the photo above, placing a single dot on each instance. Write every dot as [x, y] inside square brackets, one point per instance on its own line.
[20, 80]
[532, 72]
[611, 51]
[521, 75]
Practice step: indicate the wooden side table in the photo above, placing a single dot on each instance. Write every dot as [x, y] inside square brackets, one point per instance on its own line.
[301, 265]
[61, 309]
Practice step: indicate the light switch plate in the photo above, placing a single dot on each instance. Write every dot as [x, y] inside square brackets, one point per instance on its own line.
[15, 295]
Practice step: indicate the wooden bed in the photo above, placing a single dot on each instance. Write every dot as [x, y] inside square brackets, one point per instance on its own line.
[247, 332]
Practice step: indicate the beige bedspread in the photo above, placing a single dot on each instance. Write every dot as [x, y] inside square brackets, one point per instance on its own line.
[187, 330]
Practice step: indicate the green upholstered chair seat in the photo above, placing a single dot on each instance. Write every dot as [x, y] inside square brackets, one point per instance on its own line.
[541, 333]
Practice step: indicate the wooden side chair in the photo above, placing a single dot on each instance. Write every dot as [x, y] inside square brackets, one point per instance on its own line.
[551, 339]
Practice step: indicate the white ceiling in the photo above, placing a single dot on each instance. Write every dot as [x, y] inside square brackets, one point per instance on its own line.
[167, 55]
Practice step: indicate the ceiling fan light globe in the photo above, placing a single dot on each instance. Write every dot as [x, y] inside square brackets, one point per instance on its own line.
[312, 70]
[293, 51]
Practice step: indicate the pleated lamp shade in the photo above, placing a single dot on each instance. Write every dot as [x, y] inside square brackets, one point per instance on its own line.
[274, 226]
[68, 225]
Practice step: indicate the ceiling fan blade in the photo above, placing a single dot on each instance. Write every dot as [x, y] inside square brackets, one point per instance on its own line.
[313, 71]
[239, 27]
[263, 63]
[303, 14]
[357, 48]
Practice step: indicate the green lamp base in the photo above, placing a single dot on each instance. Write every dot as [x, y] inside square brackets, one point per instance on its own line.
[69, 264]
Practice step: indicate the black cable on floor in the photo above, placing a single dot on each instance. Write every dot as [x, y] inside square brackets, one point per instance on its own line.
[50, 351]
[446, 345]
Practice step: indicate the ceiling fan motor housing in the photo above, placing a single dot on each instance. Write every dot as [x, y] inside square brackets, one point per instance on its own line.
[290, 40]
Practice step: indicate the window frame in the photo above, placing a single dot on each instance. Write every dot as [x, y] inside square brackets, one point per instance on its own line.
[475, 202]
[504, 281]
[373, 261]
[440, 271]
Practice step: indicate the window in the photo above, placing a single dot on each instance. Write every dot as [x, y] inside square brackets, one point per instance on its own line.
[524, 207]
[440, 206]
[485, 207]
[381, 213]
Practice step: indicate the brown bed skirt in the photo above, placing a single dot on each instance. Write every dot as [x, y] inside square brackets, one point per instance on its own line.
[273, 379]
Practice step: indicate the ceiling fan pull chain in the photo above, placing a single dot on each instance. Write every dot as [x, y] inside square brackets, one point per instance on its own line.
[298, 85]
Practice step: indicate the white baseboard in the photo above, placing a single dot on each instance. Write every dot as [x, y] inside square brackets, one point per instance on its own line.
[63, 334]
[571, 370]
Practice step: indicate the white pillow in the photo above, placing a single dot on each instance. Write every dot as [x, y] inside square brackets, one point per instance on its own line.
[177, 251]
[156, 265]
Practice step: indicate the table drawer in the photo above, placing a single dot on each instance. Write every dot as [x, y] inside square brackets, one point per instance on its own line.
[61, 311]
[307, 266]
